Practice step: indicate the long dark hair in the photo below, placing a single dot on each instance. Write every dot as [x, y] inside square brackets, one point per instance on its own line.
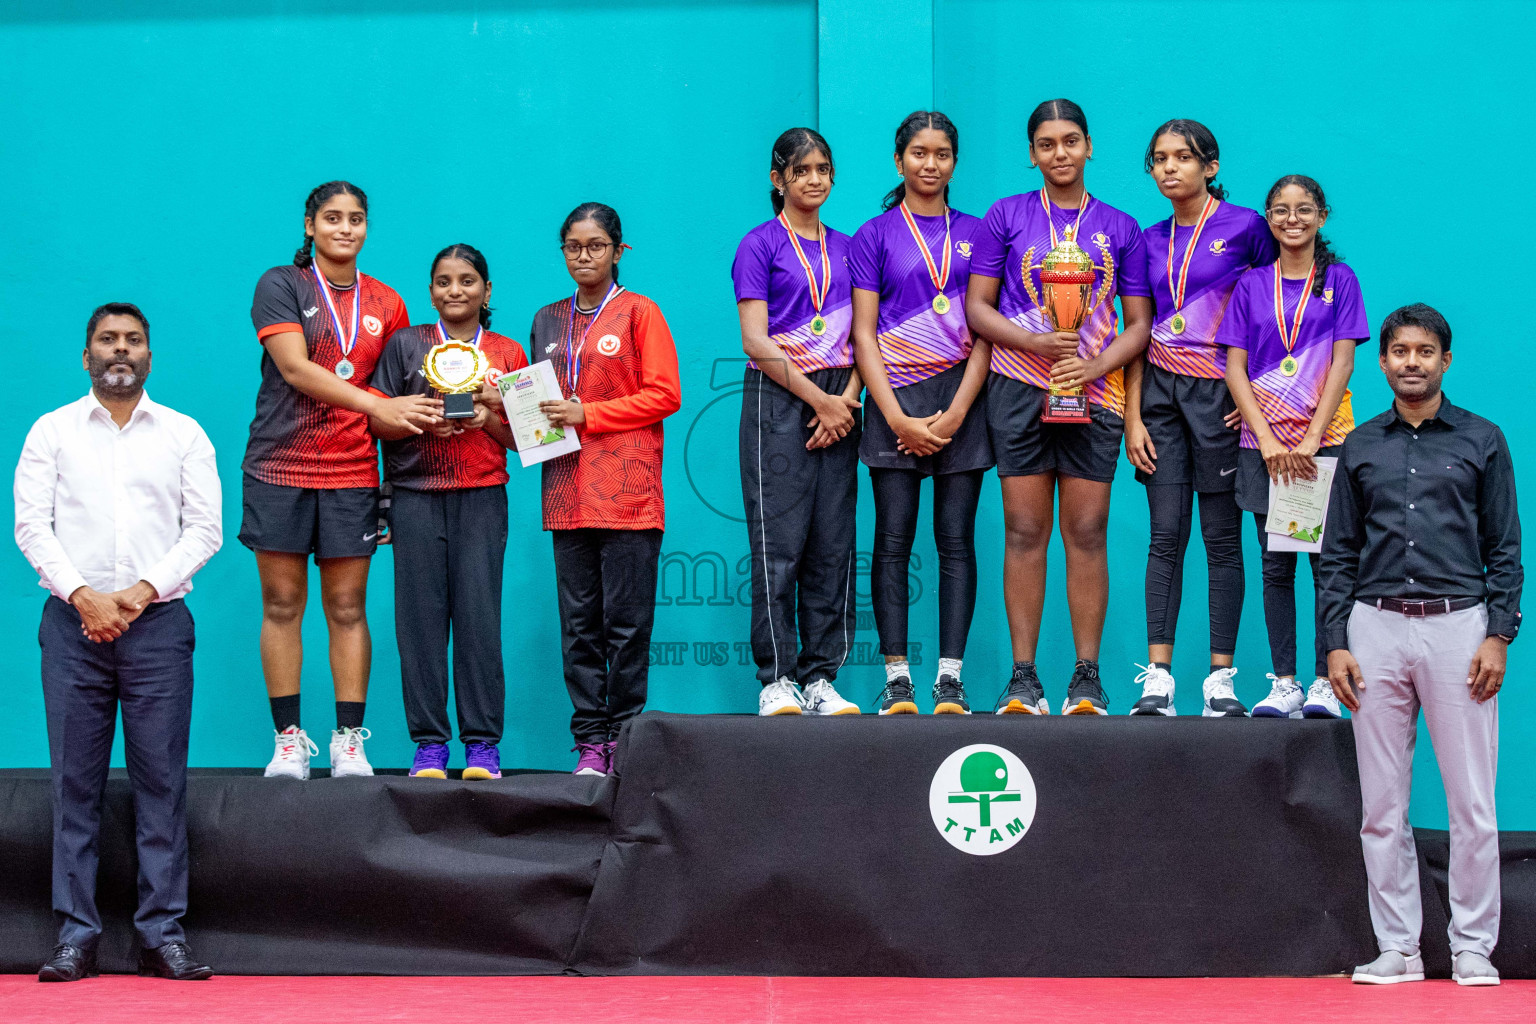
[1322, 253]
[905, 133]
[1201, 143]
[318, 197]
[607, 218]
[469, 254]
[788, 149]
[1056, 110]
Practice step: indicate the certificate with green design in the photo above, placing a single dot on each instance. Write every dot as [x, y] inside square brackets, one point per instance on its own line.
[537, 439]
[1298, 510]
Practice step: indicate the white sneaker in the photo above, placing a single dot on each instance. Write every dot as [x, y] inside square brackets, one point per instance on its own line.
[1472, 968]
[780, 697]
[1321, 703]
[1220, 701]
[1156, 692]
[822, 699]
[291, 757]
[1391, 968]
[1284, 700]
[347, 756]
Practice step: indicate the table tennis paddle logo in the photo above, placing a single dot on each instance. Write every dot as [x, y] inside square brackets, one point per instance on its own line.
[982, 799]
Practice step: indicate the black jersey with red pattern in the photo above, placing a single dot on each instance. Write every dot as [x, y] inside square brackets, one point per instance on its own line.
[426, 462]
[296, 440]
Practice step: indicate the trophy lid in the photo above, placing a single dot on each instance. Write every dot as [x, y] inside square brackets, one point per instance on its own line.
[1067, 263]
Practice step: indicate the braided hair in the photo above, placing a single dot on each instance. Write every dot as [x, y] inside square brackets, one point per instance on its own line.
[1323, 255]
[788, 150]
[905, 133]
[318, 197]
[469, 254]
[1201, 143]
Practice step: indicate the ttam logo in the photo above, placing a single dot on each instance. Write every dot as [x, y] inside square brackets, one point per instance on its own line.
[982, 799]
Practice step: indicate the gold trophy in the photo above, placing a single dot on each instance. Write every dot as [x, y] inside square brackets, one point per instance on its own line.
[455, 369]
[1066, 278]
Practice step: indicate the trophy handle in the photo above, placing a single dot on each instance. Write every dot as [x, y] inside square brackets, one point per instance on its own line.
[1029, 282]
[1108, 280]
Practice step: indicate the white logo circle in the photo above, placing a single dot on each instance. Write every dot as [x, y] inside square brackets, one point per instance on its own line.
[373, 325]
[982, 799]
[608, 345]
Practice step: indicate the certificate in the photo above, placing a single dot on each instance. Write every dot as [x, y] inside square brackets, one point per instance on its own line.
[521, 392]
[1298, 510]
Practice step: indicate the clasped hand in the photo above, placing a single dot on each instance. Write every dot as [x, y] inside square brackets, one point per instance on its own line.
[105, 617]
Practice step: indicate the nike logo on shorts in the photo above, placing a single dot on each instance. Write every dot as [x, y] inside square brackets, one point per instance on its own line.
[370, 536]
[1229, 472]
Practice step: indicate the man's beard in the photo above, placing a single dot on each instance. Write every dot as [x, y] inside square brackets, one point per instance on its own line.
[116, 383]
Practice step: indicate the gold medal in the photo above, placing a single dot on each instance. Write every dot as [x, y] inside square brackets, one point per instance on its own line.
[818, 291]
[1177, 323]
[937, 273]
[941, 304]
[1176, 290]
[818, 325]
[1288, 338]
[1289, 366]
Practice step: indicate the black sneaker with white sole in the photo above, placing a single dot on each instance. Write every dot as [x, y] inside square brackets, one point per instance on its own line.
[1085, 694]
[898, 697]
[1024, 695]
[949, 697]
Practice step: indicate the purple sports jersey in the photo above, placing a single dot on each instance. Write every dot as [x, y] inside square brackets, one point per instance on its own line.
[1232, 239]
[916, 342]
[1288, 402]
[1016, 236]
[767, 268]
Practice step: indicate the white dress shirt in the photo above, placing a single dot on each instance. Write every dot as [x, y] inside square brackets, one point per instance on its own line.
[101, 507]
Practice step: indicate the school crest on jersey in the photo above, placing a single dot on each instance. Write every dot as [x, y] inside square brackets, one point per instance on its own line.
[964, 249]
[1100, 238]
[1218, 246]
[1328, 296]
[373, 326]
[608, 345]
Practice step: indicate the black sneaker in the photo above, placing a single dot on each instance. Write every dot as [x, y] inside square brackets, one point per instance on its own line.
[1085, 694]
[1024, 696]
[898, 697]
[949, 697]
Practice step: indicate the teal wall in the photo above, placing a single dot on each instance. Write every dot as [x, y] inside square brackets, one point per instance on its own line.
[160, 152]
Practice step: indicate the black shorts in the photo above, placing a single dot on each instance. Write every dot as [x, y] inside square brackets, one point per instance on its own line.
[970, 448]
[1253, 478]
[1184, 416]
[339, 523]
[1025, 445]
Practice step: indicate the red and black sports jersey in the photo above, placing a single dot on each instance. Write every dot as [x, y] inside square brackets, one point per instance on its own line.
[628, 384]
[298, 441]
[426, 462]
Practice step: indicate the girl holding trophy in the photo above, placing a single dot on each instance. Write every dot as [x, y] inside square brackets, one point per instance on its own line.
[1290, 330]
[925, 374]
[1047, 269]
[1180, 422]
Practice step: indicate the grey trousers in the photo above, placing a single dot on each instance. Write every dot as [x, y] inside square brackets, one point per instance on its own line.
[1410, 663]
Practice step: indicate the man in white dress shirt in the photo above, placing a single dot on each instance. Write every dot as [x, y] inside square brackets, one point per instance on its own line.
[117, 505]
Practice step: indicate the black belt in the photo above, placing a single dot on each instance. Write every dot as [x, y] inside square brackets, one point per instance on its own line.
[1435, 606]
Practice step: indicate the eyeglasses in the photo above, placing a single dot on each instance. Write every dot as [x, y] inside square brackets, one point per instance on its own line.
[597, 250]
[1281, 214]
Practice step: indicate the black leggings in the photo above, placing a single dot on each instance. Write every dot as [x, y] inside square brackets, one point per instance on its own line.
[1221, 523]
[955, 497]
[1280, 608]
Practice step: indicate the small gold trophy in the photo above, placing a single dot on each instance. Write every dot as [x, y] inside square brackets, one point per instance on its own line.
[1066, 278]
[455, 369]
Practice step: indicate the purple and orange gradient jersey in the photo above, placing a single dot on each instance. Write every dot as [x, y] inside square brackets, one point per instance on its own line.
[916, 341]
[1233, 239]
[1016, 236]
[296, 440]
[766, 267]
[1288, 402]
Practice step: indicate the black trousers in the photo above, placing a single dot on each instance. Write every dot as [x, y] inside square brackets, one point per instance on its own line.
[1221, 521]
[449, 549]
[607, 587]
[800, 510]
[148, 672]
[1279, 572]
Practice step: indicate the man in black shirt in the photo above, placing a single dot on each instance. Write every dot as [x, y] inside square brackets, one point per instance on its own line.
[1421, 598]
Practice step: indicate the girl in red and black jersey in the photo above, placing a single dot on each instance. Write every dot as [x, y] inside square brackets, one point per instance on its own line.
[311, 473]
[614, 357]
[448, 519]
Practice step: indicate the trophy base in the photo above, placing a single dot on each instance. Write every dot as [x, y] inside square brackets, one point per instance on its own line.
[458, 407]
[1066, 409]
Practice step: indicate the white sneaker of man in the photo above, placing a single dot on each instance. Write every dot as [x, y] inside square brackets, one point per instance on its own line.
[1391, 968]
[1321, 703]
[347, 757]
[290, 758]
[1284, 701]
[1470, 967]
[780, 697]
[822, 699]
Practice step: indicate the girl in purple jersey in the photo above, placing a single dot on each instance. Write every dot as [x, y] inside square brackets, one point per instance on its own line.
[1180, 421]
[925, 374]
[1039, 460]
[1291, 329]
[799, 436]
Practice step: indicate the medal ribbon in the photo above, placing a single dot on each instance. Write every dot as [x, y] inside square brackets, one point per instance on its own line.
[1211, 202]
[346, 341]
[1046, 204]
[938, 274]
[574, 350]
[442, 332]
[1289, 340]
[818, 295]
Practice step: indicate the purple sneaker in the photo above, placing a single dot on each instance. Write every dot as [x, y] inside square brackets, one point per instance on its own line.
[482, 761]
[609, 749]
[593, 760]
[431, 761]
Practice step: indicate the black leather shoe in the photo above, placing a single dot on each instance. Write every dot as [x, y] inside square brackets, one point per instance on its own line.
[68, 963]
[172, 960]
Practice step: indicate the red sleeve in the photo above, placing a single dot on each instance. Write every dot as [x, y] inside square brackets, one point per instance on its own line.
[660, 393]
[401, 318]
[266, 332]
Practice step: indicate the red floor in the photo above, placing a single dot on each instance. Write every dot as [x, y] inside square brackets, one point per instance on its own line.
[754, 1001]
